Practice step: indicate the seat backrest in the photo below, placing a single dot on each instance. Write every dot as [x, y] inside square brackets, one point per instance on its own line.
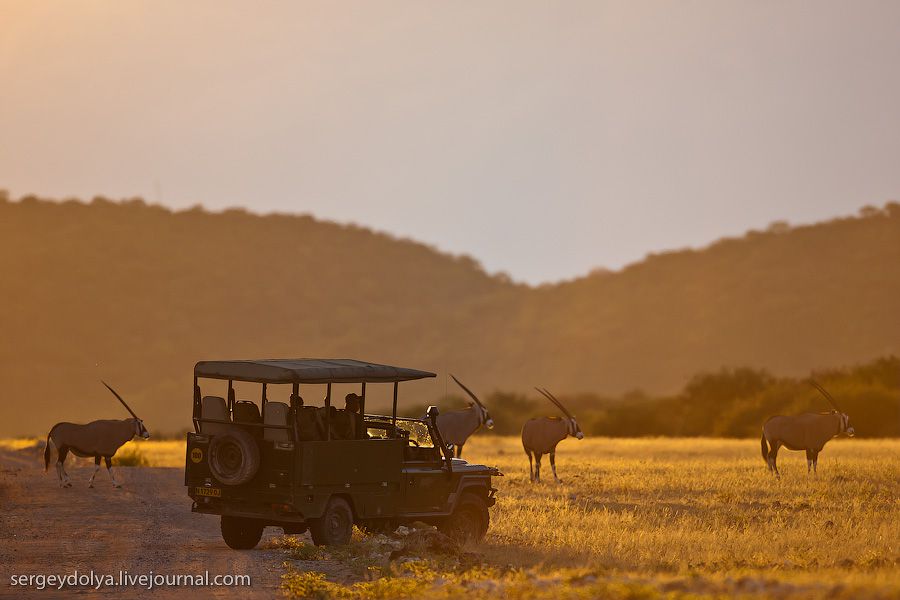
[213, 407]
[308, 424]
[359, 429]
[275, 413]
[246, 411]
[343, 425]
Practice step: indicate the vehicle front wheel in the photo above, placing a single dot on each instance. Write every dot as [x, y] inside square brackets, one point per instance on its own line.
[469, 522]
[335, 526]
[241, 533]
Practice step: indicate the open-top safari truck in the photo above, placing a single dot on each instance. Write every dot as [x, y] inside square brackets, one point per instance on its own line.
[320, 468]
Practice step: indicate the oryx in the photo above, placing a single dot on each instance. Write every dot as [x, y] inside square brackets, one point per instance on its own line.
[456, 426]
[97, 438]
[541, 435]
[808, 431]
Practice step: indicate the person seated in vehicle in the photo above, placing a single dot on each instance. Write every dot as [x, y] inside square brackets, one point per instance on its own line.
[308, 428]
[353, 406]
[342, 423]
[352, 402]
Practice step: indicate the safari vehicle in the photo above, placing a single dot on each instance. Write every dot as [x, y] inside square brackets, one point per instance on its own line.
[319, 468]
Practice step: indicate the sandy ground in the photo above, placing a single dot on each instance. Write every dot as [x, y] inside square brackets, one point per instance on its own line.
[144, 526]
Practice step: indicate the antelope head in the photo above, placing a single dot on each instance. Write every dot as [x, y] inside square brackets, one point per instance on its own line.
[573, 428]
[484, 417]
[844, 419]
[846, 427]
[139, 429]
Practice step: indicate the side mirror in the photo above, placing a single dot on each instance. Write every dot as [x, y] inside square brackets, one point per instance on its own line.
[432, 412]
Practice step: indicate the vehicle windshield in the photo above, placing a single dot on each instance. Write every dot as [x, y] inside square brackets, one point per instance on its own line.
[418, 432]
[379, 427]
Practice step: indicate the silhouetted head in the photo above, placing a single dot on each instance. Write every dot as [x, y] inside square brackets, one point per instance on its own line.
[352, 402]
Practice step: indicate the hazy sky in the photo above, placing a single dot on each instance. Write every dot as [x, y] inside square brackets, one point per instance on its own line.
[543, 138]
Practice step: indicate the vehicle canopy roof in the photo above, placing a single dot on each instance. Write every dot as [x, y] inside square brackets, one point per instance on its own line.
[306, 370]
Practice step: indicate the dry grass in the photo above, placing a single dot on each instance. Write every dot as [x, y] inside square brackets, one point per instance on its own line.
[18, 443]
[165, 453]
[645, 518]
[671, 518]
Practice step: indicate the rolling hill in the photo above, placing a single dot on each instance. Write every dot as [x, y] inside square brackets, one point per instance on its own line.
[135, 294]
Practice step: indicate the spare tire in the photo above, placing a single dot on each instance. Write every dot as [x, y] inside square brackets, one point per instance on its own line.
[233, 457]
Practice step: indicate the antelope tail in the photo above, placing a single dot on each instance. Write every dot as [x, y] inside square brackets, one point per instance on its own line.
[47, 452]
[765, 447]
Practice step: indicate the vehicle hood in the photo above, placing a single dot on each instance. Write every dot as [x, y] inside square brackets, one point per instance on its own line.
[464, 466]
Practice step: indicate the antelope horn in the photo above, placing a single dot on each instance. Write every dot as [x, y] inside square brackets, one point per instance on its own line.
[128, 408]
[559, 402]
[552, 399]
[468, 391]
[547, 396]
[825, 393]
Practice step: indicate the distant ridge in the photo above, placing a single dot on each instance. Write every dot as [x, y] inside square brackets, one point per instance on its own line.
[139, 293]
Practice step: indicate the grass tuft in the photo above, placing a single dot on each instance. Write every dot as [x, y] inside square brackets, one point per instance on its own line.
[130, 457]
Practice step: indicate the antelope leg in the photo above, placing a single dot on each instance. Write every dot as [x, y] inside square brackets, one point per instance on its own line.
[775, 448]
[96, 468]
[108, 460]
[553, 466]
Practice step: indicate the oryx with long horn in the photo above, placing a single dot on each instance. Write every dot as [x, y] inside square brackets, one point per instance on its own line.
[541, 435]
[97, 439]
[456, 426]
[808, 431]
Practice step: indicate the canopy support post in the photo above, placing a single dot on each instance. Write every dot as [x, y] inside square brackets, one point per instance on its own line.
[295, 409]
[362, 400]
[394, 413]
[197, 407]
[328, 413]
[262, 406]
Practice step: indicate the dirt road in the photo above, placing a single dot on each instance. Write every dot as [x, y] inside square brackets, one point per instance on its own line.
[144, 526]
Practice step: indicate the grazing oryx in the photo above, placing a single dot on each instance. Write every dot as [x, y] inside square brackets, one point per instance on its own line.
[457, 425]
[541, 435]
[809, 431]
[97, 438]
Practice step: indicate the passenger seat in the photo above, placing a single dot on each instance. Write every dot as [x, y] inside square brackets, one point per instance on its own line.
[275, 413]
[307, 424]
[213, 407]
[245, 411]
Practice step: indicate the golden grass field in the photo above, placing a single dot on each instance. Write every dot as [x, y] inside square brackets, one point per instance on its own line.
[645, 518]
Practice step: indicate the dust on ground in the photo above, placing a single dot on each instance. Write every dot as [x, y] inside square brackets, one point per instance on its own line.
[145, 526]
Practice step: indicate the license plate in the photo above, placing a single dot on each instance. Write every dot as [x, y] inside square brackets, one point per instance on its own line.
[208, 491]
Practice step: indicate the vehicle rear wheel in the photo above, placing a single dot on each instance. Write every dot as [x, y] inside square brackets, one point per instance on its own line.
[335, 526]
[241, 533]
[469, 522]
[233, 457]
